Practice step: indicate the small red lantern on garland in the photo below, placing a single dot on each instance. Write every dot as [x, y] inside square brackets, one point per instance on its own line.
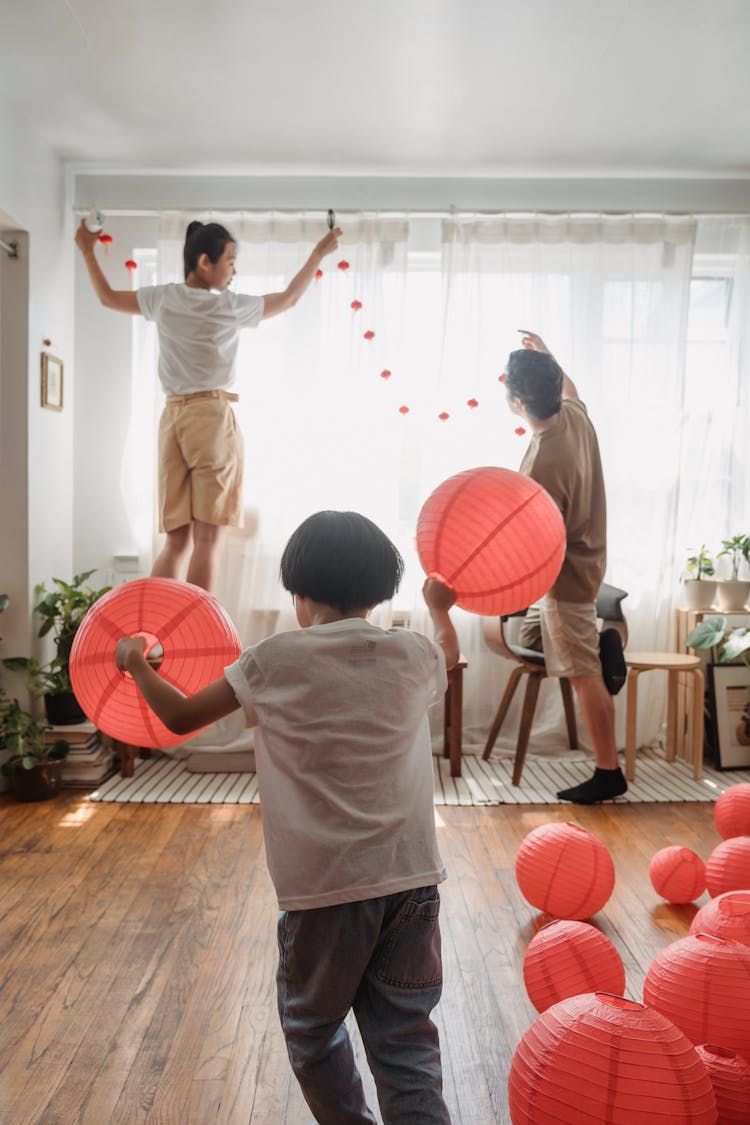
[343, 264]
[318, 275]
[599, 1058]
[501, 378]
[385, 373]
[130, 265]
[472, 403]
[106, 241]
[356, 306]
[403, 409]
[519, 431]
[443, 415]
[369, 334]
[567, 958]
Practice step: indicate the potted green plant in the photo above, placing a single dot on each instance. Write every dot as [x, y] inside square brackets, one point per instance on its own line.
[728, 644]
[700, 588]
[60, 611]
[734, 592]
[34, 766]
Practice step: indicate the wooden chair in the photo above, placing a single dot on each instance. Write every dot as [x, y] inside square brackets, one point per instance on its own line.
[453, 716]
[529, 662]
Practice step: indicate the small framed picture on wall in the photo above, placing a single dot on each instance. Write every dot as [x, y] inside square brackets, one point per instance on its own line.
[52, 382]
[729, 700]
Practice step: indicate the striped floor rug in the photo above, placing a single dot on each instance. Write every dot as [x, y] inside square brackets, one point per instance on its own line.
[162, 780]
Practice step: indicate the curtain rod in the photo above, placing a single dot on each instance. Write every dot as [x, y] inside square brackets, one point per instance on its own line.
[10, 248]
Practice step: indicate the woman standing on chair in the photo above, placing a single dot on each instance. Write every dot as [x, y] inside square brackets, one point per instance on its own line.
[200, 445]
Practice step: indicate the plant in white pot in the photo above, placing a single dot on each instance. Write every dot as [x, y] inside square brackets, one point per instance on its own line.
[734, 592]
[700, 586]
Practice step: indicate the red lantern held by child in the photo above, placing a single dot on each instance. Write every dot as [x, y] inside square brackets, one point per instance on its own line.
[196, 638]
[494, 536]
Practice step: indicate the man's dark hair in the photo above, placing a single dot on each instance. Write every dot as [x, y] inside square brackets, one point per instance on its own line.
[536, 379]
[341, 559]
[203, 238]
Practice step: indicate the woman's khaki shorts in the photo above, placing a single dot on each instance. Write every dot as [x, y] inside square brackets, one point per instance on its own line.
[200, 461]
[568, 634]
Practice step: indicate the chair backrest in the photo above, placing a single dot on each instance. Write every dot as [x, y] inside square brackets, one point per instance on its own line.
[609, 610]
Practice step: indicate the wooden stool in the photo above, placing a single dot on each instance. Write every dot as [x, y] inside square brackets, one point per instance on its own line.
[675, 664]
[453, 716]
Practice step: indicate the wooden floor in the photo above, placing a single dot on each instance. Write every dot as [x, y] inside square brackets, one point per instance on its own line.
[137, 946]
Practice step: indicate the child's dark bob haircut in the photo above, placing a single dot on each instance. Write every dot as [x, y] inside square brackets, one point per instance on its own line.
[536, 379]
[203, 238]
[343, 560]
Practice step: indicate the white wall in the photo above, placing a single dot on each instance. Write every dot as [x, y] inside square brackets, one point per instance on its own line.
[36, 502]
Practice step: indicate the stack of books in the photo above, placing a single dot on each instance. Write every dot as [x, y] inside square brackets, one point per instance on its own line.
[91, 757]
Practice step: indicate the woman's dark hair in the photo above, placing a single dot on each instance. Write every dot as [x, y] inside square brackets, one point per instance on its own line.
[203, 238]
[536, 379]
[341, 559]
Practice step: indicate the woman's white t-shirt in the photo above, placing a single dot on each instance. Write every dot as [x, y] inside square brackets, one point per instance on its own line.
[198, 334]
[344, 760]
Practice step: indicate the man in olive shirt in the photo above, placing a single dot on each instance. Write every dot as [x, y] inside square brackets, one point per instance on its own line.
[563, 456]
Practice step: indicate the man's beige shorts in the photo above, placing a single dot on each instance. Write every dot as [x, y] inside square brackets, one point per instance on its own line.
[200, 461]
[569, 636]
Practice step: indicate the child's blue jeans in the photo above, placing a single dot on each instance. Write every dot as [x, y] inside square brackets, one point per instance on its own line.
[381, 958]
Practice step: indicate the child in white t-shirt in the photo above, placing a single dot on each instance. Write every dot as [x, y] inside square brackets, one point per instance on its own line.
[345, 777]
[200, 444]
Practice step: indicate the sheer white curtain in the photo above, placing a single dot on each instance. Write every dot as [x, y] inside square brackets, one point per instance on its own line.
[609, 294]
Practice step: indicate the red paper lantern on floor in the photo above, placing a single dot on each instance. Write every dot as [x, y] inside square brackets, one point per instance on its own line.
[730, 1078]
[732, 811]
[565, 870]
[494, 536]
[677, 874]
[197, 638]
[702, 983]
[567, 958]
[600, 1058]
[728, 866]
[727, 916]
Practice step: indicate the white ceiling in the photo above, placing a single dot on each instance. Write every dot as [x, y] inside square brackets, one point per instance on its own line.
[400, 87]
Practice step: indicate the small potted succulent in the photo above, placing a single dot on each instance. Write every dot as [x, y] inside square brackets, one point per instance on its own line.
[734, 592]
[700, 586]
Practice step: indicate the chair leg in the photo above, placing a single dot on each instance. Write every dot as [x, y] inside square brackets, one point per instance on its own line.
[502, 710]
[699, 687]
[527, 716]
[631, 723]
[570, 713]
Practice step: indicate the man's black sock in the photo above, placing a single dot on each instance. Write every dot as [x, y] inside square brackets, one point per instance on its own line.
[605, 785]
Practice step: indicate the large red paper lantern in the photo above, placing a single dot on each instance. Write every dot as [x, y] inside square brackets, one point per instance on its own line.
[567, 958]
[727, 916]
[677, 874]
[198, 642]
[565, 870]
[702, 983]
[599, 1058]
[728, 866]
[732, 811]
[730, 1078]
[494, 536]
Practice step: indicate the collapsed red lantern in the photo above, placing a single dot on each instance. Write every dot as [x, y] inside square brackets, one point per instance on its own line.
[567, 958]
[727, 916]
[565, 870]
[728, 866]
[702, 984]
[677, 874]
[494, 536]
[195, 635]
[598, 1058]
[730, 1078]
[732, 811]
